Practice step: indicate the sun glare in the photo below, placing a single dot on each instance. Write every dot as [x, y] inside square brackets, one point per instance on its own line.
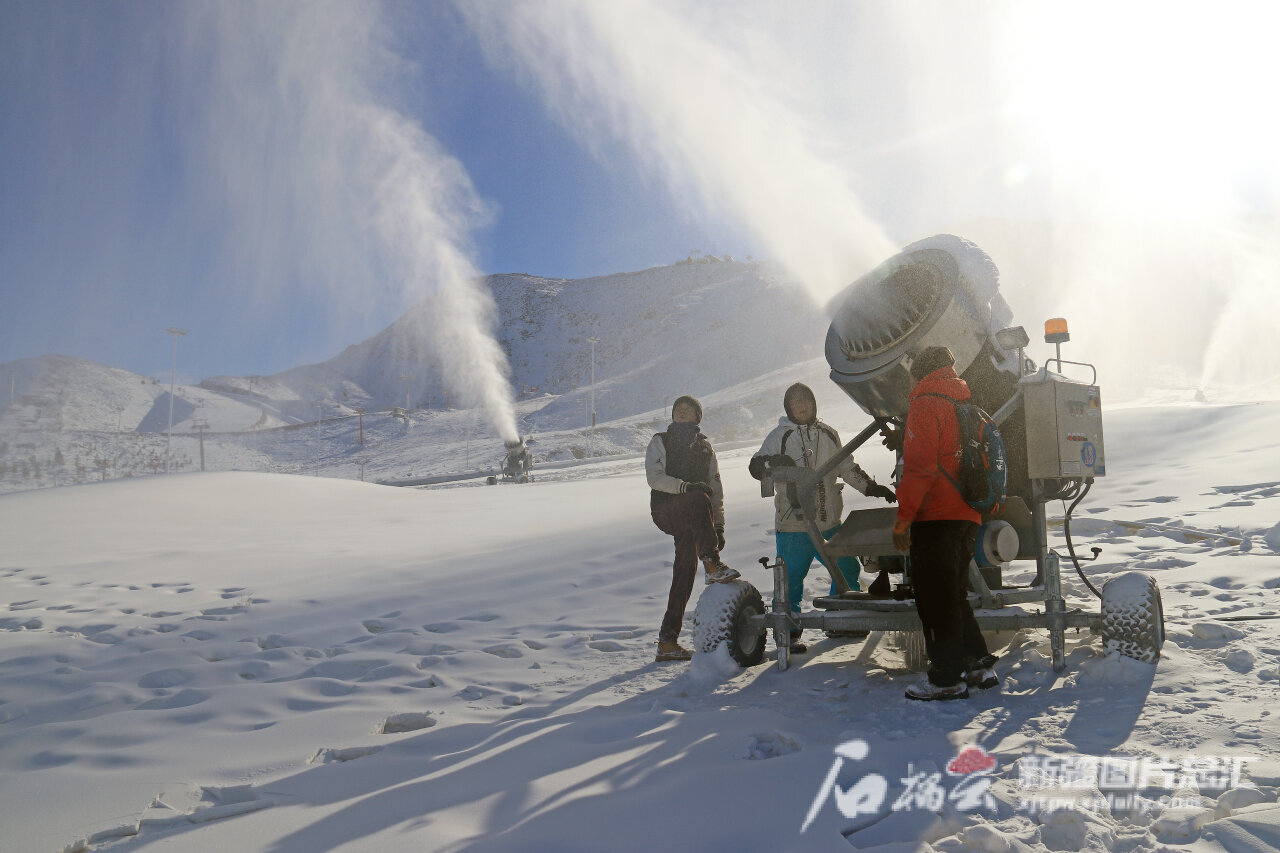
[1159, 108]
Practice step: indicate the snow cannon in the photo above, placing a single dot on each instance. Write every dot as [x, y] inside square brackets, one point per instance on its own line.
[518, 462]
[944, 291]
[941, 291]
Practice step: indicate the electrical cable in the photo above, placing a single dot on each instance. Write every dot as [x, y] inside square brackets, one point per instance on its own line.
[1066, 528]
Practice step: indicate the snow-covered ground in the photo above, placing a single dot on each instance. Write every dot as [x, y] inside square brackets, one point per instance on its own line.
[265, 662]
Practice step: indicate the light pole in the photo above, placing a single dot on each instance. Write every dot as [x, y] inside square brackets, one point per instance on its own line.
[594, 341]
[173, 373]
[200, 424]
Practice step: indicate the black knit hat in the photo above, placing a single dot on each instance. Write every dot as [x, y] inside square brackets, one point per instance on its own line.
[692, 402]
[929, 360]
[797, 391]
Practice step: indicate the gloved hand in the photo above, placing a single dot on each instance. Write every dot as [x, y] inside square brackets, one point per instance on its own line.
[756, 467]
[696, 487]
[892, 438]
[781, 460]
[719, 537]
[875, 490]
[902, 535]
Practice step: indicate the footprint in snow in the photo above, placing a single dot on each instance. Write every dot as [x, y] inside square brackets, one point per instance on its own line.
[408, 722]
[182, 699]
[506, 651]
[482, 617]
[329, 755]
[772, 745]
[618, 634]
[442, 627]
[430, 681]
[164, 678]
[606, 646]
[253, 669]
[422, 646]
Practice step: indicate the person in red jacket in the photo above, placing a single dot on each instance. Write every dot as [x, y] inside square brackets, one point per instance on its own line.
[939, 530]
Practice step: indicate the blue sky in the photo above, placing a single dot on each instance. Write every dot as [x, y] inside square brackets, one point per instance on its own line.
[101, 247]
[224, 167]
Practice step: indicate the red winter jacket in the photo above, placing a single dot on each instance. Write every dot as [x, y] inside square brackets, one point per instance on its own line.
[933, 439]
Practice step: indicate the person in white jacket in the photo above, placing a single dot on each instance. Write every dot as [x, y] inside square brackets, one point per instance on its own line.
[686, 501]
[801, 439]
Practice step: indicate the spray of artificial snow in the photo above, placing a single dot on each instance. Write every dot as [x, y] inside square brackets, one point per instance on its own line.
[333, 194]
[708, 116]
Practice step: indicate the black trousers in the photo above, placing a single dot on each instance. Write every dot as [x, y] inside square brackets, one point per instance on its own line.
[940, 555]
[687, 518]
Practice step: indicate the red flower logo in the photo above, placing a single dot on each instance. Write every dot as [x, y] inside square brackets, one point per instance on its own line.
[972, 759]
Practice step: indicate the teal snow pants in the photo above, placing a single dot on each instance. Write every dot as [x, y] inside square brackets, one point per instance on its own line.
[798, 550]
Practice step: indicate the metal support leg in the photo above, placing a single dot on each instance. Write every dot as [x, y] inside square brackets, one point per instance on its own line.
[1040, 530]
[781, 614]
[979, 585]
[1055, 608]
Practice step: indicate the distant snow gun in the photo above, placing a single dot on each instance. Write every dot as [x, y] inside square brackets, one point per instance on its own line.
[944, 291]
[517, 463]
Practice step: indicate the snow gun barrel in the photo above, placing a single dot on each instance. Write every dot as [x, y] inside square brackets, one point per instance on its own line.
[942, 291]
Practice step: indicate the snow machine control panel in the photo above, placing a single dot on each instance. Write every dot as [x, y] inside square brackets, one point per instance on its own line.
[1064, 428]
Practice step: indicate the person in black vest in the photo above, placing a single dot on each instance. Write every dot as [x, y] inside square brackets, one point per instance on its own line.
[687, 502]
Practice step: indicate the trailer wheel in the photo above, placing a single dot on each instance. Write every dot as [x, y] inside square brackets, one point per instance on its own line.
[723, 615]
[1133, 616]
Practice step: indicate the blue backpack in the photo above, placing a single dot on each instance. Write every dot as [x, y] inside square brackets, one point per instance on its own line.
[983, 478]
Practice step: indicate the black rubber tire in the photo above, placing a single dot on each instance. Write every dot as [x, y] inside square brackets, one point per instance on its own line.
[719, 620]
[1133, 616]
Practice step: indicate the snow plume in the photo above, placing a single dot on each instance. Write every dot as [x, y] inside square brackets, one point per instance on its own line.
[1106, 189]
[328, 190]
[700, 104]
[1242, 349]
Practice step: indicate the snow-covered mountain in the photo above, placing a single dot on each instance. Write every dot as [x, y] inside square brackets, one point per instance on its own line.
[705, 328]
[692, 328]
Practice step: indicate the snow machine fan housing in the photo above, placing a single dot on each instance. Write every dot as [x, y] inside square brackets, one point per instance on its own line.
[942, 291]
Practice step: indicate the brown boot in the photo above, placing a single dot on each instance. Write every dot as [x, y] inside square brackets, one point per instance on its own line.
[672, 652]
[718, 572]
